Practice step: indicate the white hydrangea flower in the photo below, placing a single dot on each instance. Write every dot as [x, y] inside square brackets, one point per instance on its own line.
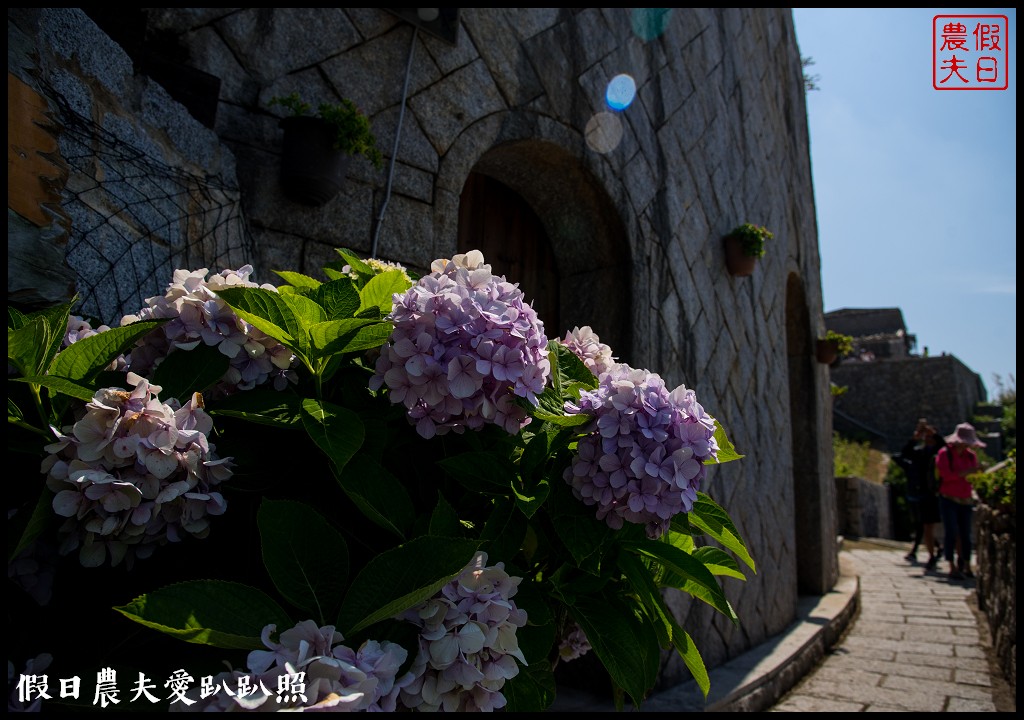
[134, 473]
[467, 645]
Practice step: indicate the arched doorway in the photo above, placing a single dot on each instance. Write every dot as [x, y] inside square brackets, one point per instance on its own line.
[543, 220]
[813, 491]
[497, 221]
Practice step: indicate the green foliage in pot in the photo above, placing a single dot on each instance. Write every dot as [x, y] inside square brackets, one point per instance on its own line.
[844, 343]
[752, 238]
[353, 134]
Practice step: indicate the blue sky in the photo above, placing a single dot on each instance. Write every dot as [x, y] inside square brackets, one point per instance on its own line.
[915, 188]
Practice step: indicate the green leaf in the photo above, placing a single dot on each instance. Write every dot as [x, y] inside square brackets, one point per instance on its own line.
[504, 530]
[649, 595]
[529, 500]
[570, 368]
[444, 520]
[712, 520]
[481, 471]
[719, 562]
[336, 430]
[625, 644]
[88, 357]
[400, 578]
[266, 407]
[378, 291]
[543, 415]
[726, 450]
[209, 612]
[269, 312]
[60, 385]
[306, 558]
[26, 347]
[349, 335]
[35, 525]
[15, 318]
[378, 494]
[303, 282]
[369, 337]
[532, 690]
[339, 298]
[694, 662]
[576, 525]
[699, 581]
[57, 322]
[184, 372]
[355, 262]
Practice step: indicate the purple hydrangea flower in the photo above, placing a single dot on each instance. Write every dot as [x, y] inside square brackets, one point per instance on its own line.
[33, 667]
[334, 678]
[467, 645]
[573, 645]
[133, 473]
[643, 459]
[199, 316]
[465, 343]
[587, 346]
[79, 328]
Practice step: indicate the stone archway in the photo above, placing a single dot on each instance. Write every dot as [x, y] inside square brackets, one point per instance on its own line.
[810, 518]
[565, 235]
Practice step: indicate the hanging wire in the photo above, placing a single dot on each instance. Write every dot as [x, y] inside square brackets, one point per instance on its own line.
[394, 149]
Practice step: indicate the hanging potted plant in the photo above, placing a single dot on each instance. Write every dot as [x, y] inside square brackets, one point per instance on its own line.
[317, 149]
[833, 346]
[743, 246]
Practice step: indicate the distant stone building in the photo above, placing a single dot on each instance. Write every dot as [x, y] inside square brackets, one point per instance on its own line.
[890, 386]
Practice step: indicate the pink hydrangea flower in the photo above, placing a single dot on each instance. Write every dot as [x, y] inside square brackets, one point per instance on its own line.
[134, 473]
[331, 676]
[587, 346]
[465, 343]
[467, 645]
[643, 459]
[199, 316]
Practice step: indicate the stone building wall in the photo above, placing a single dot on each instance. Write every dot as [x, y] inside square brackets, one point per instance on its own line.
[886, 397]
[716, 137]
[864, 508]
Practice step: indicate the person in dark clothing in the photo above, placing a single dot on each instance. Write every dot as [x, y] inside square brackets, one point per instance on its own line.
[917, 458]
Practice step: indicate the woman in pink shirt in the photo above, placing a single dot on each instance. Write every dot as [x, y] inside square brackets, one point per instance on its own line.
[953, 464]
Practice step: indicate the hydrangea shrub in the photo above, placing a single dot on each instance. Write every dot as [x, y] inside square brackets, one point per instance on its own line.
[435, 504]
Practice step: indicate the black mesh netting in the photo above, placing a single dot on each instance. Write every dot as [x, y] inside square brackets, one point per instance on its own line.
[134, 219]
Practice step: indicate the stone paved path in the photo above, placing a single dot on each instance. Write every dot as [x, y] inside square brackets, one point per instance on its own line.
[916, 645]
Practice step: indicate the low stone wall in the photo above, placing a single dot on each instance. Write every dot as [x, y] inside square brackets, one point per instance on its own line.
[996, 538]
[863, 508]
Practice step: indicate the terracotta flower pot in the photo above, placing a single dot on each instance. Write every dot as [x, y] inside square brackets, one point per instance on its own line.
[312, 171]
[739, 263]
[827, 351]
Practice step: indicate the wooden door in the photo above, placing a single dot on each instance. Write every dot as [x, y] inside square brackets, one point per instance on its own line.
[498, 222]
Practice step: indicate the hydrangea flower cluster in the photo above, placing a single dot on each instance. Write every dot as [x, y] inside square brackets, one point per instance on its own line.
[34, 666]
[334, 677]
[379, 266]
[465, 343]
[79, 328]
[643, 461]
[573, 645]
[133, 473]
[587, 346]
[467, 645]
[199, 316]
